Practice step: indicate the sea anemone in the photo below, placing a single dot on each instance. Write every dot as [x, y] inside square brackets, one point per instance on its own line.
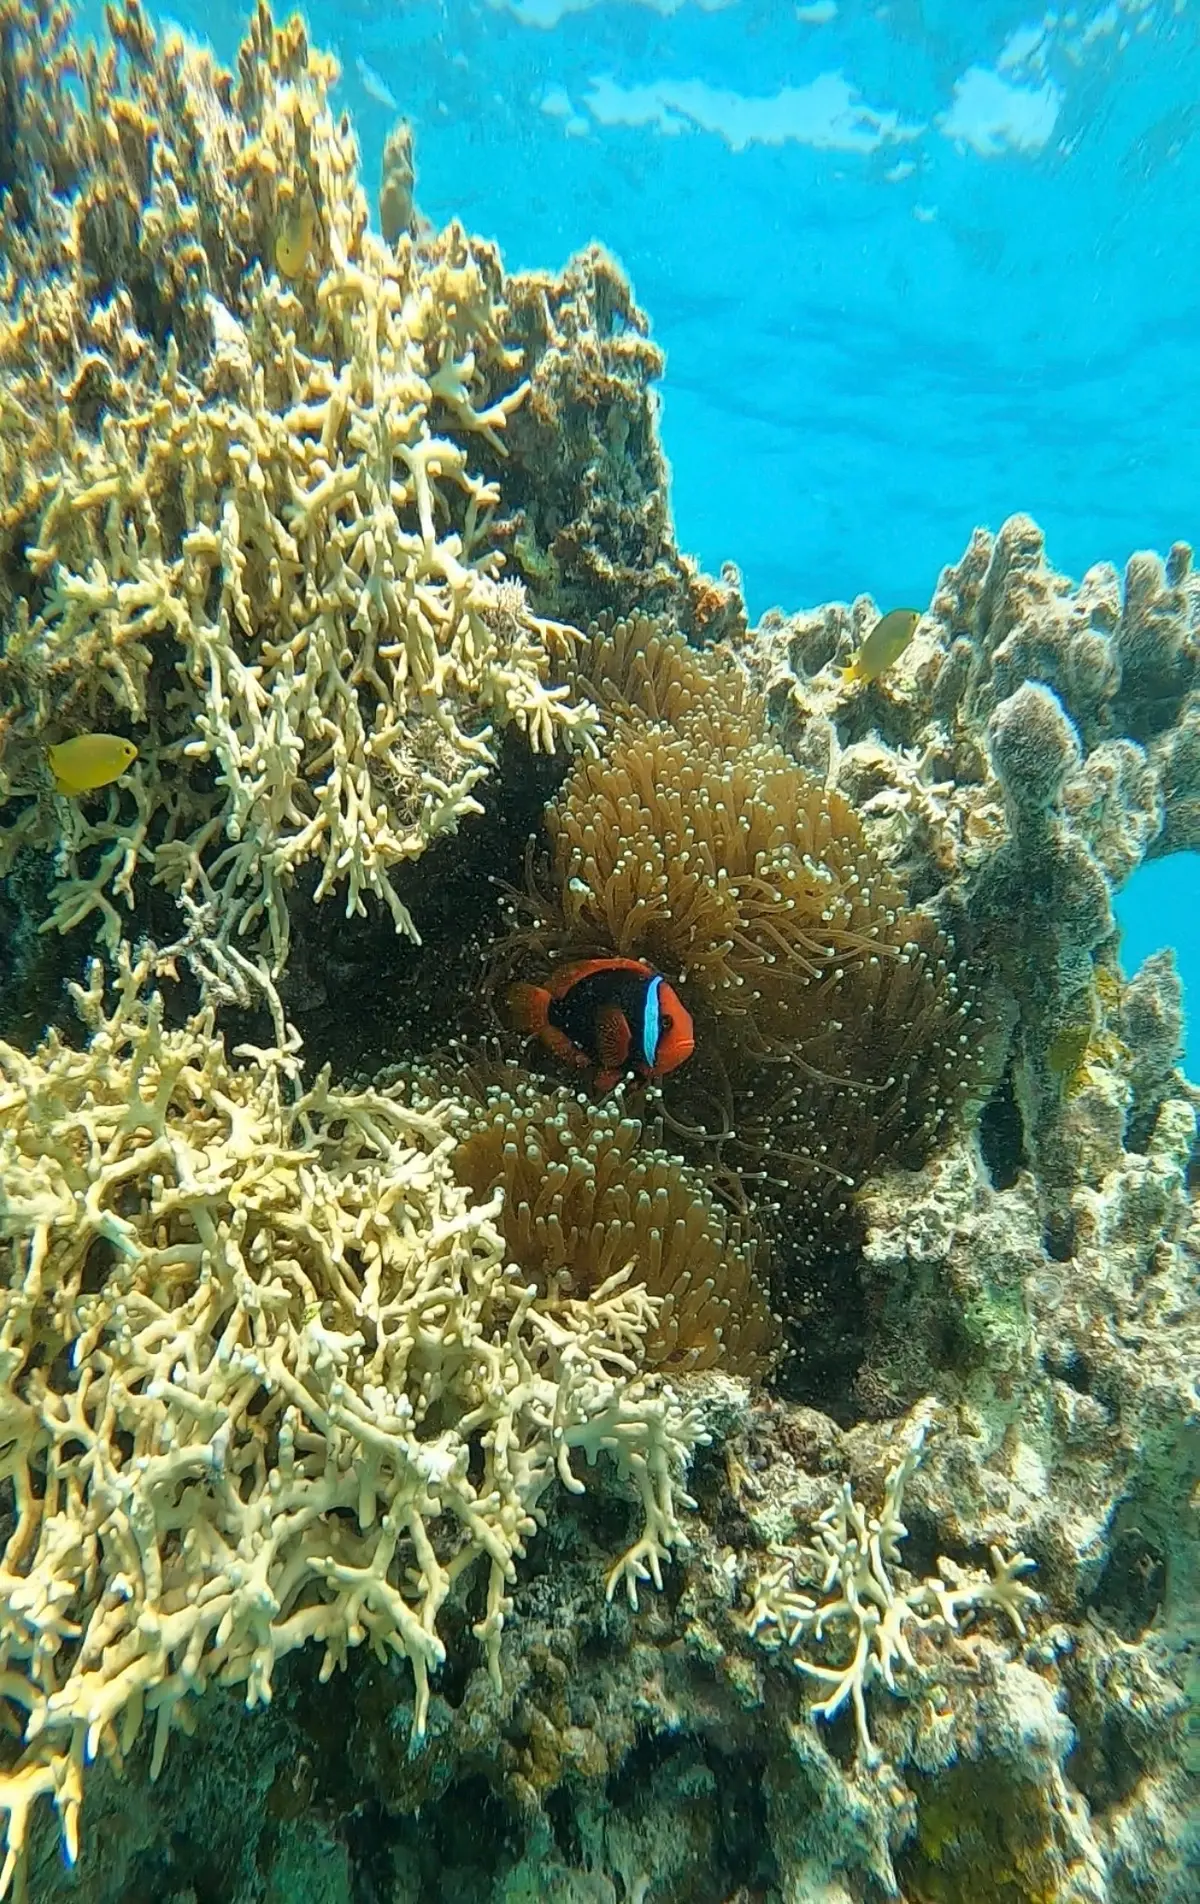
[831, 1020]
[588, 1195]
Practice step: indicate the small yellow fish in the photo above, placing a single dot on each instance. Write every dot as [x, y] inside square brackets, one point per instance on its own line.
[88, 761]
[293, 239]
[1067, 1050]
[884, 645]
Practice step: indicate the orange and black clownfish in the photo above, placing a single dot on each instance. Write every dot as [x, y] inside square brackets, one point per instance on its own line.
[618, 1014]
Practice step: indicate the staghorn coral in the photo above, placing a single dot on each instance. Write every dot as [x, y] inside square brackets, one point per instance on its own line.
[585, 1197]
[240, 506]
[670, 1744]
[267, 1380]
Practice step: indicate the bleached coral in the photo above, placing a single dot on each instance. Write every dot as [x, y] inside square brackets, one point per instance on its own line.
[265, 1379]
[265, 542]
[855, 1557]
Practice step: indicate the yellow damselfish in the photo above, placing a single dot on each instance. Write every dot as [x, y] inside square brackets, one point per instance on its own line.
[885, 644]
[294, 237]
[88, 761]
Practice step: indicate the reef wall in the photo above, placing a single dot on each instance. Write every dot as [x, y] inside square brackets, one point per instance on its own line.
[424, 1475]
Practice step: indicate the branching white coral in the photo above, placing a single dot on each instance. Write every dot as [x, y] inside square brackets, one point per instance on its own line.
[265, 1379]
[855, 1554]
[275, 561]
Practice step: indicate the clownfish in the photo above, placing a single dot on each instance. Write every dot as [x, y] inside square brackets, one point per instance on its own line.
[616, 1014]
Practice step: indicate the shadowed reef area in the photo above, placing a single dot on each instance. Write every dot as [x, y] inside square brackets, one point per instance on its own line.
[422, 1479]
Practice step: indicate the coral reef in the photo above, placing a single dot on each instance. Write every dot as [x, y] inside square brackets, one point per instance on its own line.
[669, 1749]
[857, 1554]
[1018, 763]
[355, 535]
[1040, 1275]
[241, 507]
[268, 1380]
[585, 510]
[835, 1030]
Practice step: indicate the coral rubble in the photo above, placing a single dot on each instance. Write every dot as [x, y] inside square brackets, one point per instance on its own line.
[320, 1354]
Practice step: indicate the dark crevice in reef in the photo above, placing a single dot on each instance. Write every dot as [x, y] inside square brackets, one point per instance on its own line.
[1114, 1746]
[1058, 1235]
[1130, 1590]
[403, 1817]
[729, 1788]
[825, 1318]
[362, 996]
[1002, 1135]
[32, 993]
[1065, 1362]
[455, 1849]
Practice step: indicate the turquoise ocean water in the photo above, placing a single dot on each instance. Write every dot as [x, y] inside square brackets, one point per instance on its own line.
[915, 265]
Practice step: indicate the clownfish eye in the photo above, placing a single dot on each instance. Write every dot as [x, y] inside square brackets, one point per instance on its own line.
[666, 1022]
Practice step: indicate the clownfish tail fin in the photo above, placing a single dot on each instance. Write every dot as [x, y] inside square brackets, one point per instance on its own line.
[527, 1008]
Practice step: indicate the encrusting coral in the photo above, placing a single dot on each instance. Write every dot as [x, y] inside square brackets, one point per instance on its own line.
[268, 1378]
[241, 507]
[585, 515]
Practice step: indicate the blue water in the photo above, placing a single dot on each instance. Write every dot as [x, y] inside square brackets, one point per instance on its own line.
[915, 265]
